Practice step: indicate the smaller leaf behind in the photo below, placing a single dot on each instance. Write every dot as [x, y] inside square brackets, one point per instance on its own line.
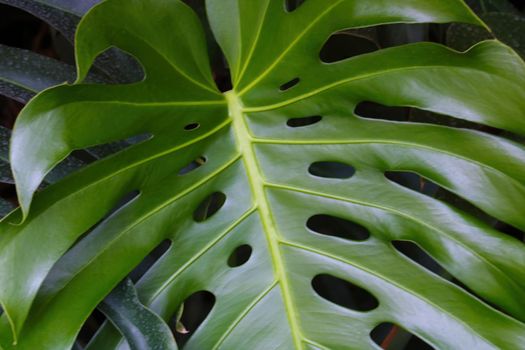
[484, 6]
[24, 73]
[5, 207]
[5, 171]
[64, 16]
[506, 26]
[142, 328]
[60, 18]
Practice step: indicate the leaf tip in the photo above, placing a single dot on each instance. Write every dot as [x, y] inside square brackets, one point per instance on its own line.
[12, 325]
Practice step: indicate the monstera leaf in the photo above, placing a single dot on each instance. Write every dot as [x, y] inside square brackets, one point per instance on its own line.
[258, 168]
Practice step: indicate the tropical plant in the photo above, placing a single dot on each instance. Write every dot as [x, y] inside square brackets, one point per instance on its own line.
[262, 193]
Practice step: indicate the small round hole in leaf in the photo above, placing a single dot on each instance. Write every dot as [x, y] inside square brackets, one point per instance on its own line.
[304, 121]
[197, 163]
[209, 206]
[290, 84]
[192, 126]
[240, 256]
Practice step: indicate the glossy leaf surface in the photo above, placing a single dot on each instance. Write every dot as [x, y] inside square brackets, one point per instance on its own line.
[222, 171]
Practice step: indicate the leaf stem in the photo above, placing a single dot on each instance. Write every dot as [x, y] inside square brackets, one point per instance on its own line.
[245, 146]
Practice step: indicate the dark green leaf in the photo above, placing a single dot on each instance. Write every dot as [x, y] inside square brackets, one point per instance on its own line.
[5, 173]
[64, 168]
[5, 170]
[485, 6]
[24, 73]
[142, 328]
[77, 7]
[64, 16]
[5, 207]
[507, 27]
[5, 135]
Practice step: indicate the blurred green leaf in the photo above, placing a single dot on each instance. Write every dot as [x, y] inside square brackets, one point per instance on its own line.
[485, 6]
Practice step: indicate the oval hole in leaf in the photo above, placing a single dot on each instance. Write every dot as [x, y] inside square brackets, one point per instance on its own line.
[343, 45]
[150, 260]
[288, 85]
[304, 121]
[240, 256]
[387, 334]
[344, 293]
[337, 227]
[197, 163]
[332, 170]
[192, 126]
[196, 308]
[292, 5]
[209, 206]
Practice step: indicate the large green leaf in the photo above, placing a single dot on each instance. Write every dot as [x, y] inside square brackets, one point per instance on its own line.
[249, 148]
